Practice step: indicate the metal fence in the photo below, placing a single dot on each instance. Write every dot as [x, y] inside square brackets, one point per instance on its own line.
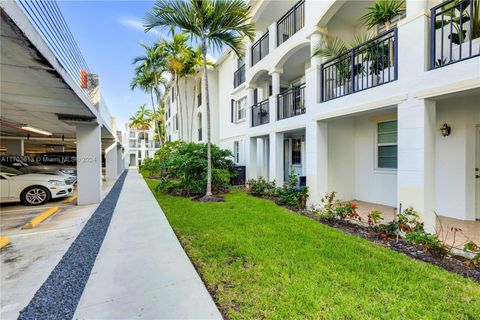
[291, 22]
[291, 103]
[367, 65]
[239, 76]
[454, 32]
[260, 114]
[260, 49]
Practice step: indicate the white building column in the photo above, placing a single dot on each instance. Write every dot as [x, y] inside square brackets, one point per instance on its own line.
[111, 162]
[250, 97]
[272, 37]
[416, 158]
[251, 158]
[120, 160]
[89, 163]
[275, 74]
[14, 147]
[316, 145]
[276, 158]
[415, 6]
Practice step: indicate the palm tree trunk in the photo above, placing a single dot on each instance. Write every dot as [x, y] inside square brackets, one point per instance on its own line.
[154, 116]
[192, 118]
[207, 103]
[179, 108]
[186, 108]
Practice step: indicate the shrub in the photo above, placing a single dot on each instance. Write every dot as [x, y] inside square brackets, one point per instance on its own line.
[150, 167]
[429, 242]
[183, 168]
[347, 210]
[261, 187]
[291, 195]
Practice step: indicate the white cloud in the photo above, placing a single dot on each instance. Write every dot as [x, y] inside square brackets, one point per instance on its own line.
[136, 24]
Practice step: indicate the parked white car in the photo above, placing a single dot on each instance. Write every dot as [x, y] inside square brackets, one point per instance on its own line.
[31, 188]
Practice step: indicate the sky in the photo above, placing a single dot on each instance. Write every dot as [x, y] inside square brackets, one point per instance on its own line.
[108, 33]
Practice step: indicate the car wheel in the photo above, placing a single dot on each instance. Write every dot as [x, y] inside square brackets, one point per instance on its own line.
[35, 195]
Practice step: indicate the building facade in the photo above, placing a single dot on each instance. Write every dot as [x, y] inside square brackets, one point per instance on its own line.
[140, 144]
[393, 121]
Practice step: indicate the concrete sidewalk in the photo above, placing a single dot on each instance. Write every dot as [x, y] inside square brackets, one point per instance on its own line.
[141, 270]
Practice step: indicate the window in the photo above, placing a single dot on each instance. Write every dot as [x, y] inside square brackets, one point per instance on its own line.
[236, 151]
[240, 61]
[132, 134]
[173, 94]
[387, 145]
[240, 109]
[296, 151]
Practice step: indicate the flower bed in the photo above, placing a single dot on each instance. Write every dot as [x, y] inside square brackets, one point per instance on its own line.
[406, 234]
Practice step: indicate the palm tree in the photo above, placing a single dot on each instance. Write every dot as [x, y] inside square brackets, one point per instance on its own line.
[176, 52]
[142, 119]
[149, 76]
[383, 12]
[214, 24]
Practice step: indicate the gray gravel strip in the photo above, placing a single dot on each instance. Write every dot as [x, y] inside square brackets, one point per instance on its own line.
[59, 295]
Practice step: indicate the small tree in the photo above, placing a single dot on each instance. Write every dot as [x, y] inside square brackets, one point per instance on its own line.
[213, 23]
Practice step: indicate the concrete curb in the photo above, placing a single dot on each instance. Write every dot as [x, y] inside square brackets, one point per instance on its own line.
[40, 218]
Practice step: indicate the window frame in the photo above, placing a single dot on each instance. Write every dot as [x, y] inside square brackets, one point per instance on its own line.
[389, 144]
[236, 151]
[238, 110]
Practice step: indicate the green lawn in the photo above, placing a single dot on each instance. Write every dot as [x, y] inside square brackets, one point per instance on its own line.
[265, 262]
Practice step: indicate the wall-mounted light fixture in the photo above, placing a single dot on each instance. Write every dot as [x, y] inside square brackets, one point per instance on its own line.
[446, 130]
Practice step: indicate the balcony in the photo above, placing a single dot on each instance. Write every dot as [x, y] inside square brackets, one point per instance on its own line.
[259, 49]
[454, 32]
[291, 22]
[367, 65]
[260, 113]
[239, 76]
[291, 103]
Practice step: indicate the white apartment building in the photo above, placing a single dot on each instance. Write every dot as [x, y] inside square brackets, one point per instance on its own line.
[141, 144]
[393, 121]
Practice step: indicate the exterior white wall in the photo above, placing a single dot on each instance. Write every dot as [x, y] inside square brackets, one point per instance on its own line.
[340, 134]
[142, 149]
[455, 158]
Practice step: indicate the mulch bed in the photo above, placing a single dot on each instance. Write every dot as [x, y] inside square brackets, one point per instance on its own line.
[451, 263]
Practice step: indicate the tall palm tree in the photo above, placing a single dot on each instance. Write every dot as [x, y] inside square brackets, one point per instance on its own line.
[176, 52]
[149, 76]
[214, 24]
[142, 119]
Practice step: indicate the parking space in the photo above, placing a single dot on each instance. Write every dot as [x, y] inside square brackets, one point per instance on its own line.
[33, 253]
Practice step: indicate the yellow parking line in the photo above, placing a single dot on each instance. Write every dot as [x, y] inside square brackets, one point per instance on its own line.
[4, 241]
[41, 217]
[75, 196]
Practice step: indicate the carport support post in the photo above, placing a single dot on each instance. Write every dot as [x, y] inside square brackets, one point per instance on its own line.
[14, 147]
[111, 162]
[89, 163]
[276, 158]
[416, 158]
[120, 160]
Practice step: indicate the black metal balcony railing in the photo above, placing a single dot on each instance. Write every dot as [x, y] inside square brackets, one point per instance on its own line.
[367, 65]
[454, 32]
[291, 103]
[259, 49]
[239, 76]
[260, 114]
[291, 22]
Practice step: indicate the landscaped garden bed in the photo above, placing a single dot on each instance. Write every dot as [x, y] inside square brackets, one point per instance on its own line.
[258, 260]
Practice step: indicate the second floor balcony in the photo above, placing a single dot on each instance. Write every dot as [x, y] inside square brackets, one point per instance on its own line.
[239, 76]
[291, 22]
[291, 103]
[365, 66]
[260, 114]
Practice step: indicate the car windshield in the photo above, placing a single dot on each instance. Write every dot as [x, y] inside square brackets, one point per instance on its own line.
[9, 171]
